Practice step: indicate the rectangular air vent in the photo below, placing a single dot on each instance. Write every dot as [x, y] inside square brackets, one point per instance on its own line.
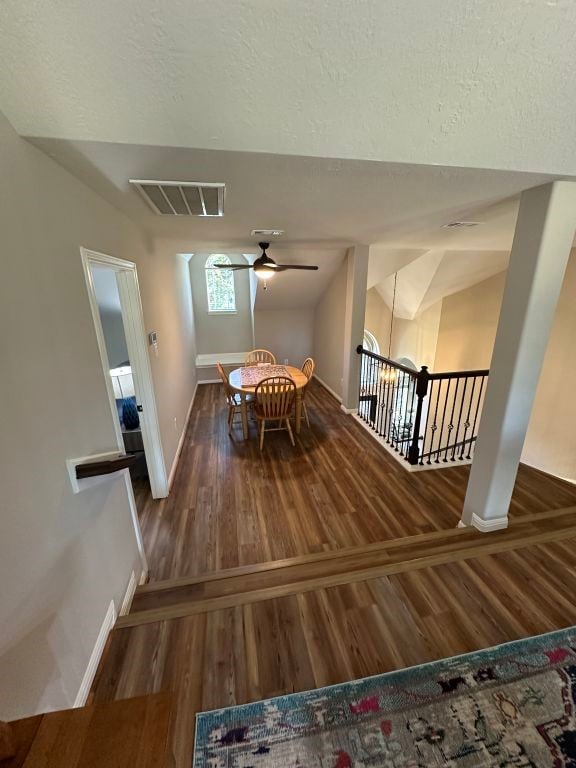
[267, 232]
[460, 224]
[182, 198]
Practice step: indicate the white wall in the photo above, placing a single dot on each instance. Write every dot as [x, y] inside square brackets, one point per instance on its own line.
[221, 332]
[64, 557]
[329, 320]
[288, 333]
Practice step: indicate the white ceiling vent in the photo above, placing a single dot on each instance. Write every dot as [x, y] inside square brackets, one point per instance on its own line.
[460, 224]
[182, 198]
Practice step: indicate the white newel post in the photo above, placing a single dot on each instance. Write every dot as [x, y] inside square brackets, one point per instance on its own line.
[355, 310]
[542, 243]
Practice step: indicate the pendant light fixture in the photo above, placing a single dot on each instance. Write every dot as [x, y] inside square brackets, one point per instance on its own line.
[388, 374]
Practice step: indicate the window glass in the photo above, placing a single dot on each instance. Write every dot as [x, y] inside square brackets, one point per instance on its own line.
[220, 285]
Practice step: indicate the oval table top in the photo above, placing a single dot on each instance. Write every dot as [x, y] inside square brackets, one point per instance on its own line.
[235, 377]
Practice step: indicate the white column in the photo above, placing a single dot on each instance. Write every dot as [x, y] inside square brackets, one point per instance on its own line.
[542, 242]
[355, 311]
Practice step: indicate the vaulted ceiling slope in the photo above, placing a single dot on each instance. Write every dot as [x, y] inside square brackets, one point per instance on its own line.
[455, 82]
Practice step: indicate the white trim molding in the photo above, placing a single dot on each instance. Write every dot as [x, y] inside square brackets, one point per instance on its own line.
[133, 319]
[323, 383]
[349, 411]
[181, 441]
[95, 656]
[129, 595]
[486, 526]
[224, 358]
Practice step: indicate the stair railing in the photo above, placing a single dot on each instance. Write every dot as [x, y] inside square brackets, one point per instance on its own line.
[427, 418]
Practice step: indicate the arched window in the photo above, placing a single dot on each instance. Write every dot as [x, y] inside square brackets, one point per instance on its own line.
[370, 342]
[220, 285]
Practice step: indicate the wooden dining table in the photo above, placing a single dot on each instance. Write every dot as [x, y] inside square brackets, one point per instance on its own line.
[235, 380]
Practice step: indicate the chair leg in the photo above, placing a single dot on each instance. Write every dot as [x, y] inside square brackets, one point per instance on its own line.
[262, 430]
[230, 419]
[306, 414]
[290, 432]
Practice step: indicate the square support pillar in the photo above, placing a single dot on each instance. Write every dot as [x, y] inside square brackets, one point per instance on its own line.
[355, 310]
[540, 251]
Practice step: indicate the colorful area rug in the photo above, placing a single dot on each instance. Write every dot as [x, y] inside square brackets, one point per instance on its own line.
[506, 707]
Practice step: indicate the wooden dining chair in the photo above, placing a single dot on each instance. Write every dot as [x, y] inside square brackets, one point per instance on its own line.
[233, 399]
[307, 369]
[274, 401]
[259, 356]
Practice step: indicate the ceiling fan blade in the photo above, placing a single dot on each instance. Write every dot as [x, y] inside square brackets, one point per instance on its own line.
[296, 266]
[231, 266]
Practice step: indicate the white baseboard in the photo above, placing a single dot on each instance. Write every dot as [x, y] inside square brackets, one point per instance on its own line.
[349, 410]
[181, 441]
[95, 656]
[211, 381]
[547, 472]
[129, 595]
[323, 383]
[496, 524]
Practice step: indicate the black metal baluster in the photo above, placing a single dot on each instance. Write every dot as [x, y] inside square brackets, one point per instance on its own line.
[467, 422]
[434, 428]
[425, 434]
[380, 398]
[462, 406]
[451, 422]
[443, 420]
[474, 436]
[388, 388]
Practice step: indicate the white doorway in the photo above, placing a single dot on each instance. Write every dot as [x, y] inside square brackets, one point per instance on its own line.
[129, 385]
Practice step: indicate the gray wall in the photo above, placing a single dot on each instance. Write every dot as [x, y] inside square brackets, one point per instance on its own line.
[64, 557]
[329, 321]
[221, 332]
[288, 333]
[114, 336]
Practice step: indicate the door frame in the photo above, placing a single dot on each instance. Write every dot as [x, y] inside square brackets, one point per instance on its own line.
[134, 329]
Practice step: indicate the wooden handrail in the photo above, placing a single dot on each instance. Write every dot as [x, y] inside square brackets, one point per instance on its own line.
[106, 467]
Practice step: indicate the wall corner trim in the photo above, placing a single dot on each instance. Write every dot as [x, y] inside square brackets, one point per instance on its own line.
[181, 441]
[485, 526]
[129, 595]
[96, 655]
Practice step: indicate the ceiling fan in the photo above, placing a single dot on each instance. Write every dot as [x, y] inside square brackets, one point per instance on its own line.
[264, 267]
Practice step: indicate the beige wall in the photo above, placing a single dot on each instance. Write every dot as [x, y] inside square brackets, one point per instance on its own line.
[467, 331]
[288, 333]
[64, 557]
[468, 326]
[329, 331]
[377, 319]
[221, 332]
[412, 339]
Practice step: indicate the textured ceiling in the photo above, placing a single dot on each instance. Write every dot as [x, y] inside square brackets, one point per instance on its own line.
[477, 83]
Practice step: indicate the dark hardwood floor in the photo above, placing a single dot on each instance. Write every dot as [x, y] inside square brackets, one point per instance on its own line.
[231, 626]
[232, 505]
[256, 650]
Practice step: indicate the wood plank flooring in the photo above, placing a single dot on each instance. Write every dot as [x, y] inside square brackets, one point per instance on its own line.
[238, 586]
[329, 635]
[232, 506]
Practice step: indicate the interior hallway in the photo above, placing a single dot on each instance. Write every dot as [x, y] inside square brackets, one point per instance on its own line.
[232, 506]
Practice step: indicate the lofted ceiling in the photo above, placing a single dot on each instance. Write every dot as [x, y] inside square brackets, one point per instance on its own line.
[465, 83]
